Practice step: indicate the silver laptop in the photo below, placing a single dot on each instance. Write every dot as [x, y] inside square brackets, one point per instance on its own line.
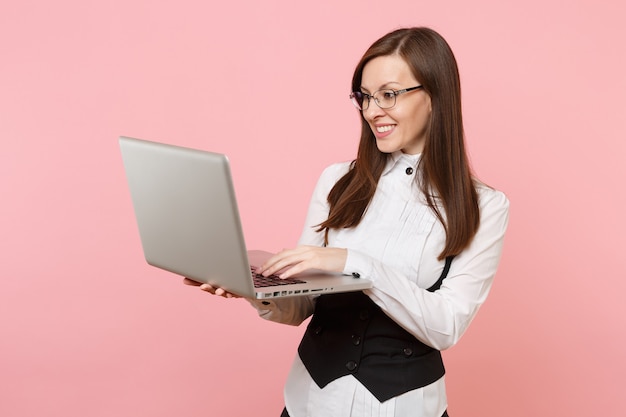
[189, 224]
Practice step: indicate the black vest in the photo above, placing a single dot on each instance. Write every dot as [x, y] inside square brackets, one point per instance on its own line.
[350, 334]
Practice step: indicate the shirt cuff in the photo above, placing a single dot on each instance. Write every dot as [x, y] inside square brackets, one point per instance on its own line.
[261, 306]
[358, 265]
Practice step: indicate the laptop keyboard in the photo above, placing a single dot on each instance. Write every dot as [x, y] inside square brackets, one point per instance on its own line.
[272, 280]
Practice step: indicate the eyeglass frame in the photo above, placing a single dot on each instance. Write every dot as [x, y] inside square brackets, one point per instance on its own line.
[396, 93]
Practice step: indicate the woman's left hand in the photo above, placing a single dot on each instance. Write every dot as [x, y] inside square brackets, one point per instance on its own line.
[211, 289]
[292, 261]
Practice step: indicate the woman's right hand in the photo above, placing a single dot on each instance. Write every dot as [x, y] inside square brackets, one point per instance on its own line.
[210, 289]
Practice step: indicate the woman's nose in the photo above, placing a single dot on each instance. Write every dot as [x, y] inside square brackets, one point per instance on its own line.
[372, 111]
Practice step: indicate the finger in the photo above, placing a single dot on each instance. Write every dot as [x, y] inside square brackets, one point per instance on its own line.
[188, 281]
[281, 266]
[294, 266]
[208, 288]
[327, 259]
[285, 259]
[271, 262]
[231, 295]
[293, 270]
[223, 293]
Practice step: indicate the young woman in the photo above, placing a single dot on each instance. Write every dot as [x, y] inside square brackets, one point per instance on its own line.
[408, 214]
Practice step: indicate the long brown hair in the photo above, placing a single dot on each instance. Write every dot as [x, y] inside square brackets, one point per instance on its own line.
[445, 175]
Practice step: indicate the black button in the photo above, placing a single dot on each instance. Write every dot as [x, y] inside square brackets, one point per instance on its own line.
[409, 171]
[408, 351]
[351, 365]
[364, 315]
[318, 330]
[356, 340]
[356, 275]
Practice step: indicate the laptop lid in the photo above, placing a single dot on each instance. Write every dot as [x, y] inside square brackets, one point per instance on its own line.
[189, 224]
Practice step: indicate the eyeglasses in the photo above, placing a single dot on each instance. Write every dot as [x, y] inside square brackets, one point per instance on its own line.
[385, 99]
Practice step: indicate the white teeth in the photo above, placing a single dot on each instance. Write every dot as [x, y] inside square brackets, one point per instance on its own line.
[382, 129]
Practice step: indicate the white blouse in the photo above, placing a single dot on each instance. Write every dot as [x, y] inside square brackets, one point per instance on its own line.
[396, 245]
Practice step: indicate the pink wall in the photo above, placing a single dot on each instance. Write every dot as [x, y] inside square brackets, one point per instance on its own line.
[87, 329]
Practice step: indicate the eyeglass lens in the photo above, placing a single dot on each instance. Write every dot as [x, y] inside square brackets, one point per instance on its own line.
[384, 98]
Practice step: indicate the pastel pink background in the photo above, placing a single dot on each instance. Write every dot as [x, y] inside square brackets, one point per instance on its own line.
[88, 329]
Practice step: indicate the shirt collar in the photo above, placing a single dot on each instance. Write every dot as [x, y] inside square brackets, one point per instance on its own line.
[397, 157]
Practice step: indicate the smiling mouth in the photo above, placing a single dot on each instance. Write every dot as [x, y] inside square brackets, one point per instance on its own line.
[383, 129]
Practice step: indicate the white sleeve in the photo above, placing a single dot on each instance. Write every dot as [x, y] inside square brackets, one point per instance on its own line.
[440, 318]
[294, 310]
[318, 207]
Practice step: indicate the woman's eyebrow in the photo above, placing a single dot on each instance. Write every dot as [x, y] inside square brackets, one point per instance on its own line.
[382, 87]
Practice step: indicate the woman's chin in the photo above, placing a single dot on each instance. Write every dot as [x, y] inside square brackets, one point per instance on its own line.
[385, 146]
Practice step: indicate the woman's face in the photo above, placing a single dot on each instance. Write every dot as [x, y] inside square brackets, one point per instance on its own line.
[402, 127]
